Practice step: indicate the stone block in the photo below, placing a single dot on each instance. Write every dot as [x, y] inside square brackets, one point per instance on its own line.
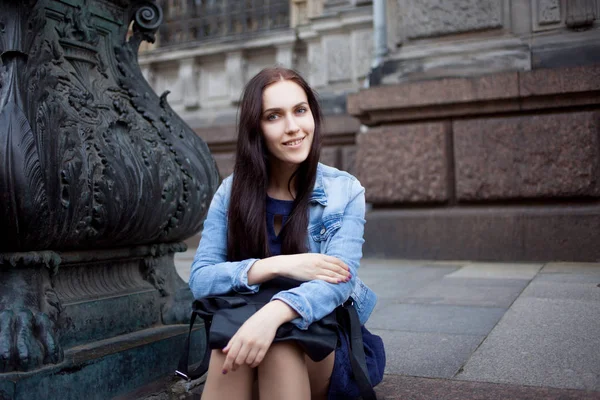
[536, 156]
[568, 234]
[404, 163]
[548, 12]
[426, 354]
[470, 292]
[458, 320]
[492, 233]
[317, 64]
[330, 156]
[84, 321]
[336, 125]
[362, 52]
[565, 287]
[589, 278]
[559, 81]
[541, 342]
[108, 368]
[581, 13]
[570, 268]
[339, 57]
[403, 282]
[435, 92]
[218, 134]
[403, 387]
[431, 18]
[496, 270]
[225, 163]
[436, 63]
[555, 286]
[349, 159]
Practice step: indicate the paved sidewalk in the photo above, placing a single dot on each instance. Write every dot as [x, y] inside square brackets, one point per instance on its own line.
[463, 330]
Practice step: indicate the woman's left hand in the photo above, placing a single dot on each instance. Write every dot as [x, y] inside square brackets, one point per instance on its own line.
[253, 339]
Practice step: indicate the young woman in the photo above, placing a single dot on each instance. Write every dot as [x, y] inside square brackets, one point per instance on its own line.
[282, 214]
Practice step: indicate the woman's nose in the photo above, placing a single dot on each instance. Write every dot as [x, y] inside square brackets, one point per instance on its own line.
[291, 126]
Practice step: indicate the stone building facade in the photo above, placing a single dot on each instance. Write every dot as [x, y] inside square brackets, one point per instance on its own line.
[207, 51]
[477, 137]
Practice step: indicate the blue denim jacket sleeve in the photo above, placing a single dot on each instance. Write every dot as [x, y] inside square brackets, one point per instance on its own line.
[211, 273]
[315, 299]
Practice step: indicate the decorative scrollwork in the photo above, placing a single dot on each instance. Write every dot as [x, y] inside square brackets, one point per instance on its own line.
[93, 146]
[92, 159]
[149, 16]
[49, 259]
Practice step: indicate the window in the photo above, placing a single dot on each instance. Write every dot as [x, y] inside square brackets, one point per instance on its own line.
[198, 20]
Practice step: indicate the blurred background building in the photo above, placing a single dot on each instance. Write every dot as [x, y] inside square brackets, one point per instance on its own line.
[474, 125]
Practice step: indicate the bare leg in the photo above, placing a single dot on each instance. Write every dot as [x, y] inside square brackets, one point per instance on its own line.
[282, 374]
[233, 385]
[319, 375]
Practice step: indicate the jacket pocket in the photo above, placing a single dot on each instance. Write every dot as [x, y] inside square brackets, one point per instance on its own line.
[328, 227]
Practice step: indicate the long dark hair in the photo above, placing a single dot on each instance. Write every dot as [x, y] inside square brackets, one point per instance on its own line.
[247, 226]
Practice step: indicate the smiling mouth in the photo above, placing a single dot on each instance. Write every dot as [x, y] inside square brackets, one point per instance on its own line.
[294, 142]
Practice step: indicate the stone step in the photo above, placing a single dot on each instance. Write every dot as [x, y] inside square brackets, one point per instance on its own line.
[399, 387]
[104, 369]
[393, 387]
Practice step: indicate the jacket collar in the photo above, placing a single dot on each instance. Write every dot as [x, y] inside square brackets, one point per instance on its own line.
[318, 194]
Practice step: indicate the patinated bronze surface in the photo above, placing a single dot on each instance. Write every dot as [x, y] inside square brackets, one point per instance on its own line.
[99, 179]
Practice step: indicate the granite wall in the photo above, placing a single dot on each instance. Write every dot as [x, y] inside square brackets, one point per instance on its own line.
[497, 167]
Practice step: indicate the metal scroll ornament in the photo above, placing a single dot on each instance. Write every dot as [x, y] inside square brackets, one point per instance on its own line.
[90, 159]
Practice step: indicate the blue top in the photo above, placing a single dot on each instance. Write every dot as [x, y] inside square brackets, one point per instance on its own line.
[277, 207]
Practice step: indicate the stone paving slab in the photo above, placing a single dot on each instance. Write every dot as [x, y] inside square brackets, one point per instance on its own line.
[379, 275]
[394, 263]
[436, 318]
[183, 263]
[593, 279]
[396, 282]
[571, 268]
[497, 271]
[426, 354]
[469, 291]
[542, 342]
[565, 286]
[397, 387]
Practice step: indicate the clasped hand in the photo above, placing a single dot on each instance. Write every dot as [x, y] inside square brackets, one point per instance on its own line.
[251, 342]
[314, 266]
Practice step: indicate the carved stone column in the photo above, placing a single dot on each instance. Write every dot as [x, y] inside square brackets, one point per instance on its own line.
[234, 66]
[285, 55]
[99, 183]
[581, 13]
[188, 78]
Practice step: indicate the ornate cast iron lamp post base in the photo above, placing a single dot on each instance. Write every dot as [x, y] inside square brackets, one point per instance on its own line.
[99, 183]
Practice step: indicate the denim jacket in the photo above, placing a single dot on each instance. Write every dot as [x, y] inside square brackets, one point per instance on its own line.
[336, 226]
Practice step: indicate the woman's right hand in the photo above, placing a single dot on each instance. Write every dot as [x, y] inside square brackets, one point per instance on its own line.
[311, 266]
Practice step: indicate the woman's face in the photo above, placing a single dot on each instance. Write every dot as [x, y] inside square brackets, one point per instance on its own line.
[287, 122]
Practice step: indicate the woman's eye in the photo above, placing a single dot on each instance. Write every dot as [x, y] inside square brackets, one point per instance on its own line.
[301, 110]
[272, 117]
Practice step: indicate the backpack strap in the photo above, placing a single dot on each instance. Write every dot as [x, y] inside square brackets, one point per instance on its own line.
[350, 323]
[183, 366]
